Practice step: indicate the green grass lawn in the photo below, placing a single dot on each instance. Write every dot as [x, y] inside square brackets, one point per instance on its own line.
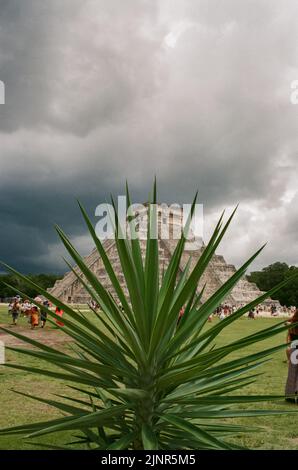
[279, 432]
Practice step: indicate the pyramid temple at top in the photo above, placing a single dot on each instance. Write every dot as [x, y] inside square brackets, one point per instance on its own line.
[70, 290]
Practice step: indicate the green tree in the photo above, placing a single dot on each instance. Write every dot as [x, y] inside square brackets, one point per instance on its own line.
[272, 275]
[45, 281]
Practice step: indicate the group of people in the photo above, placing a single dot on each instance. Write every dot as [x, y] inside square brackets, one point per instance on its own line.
[37, 316]
[224, 311]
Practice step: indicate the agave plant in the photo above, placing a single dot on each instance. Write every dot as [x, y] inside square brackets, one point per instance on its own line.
[141, 379]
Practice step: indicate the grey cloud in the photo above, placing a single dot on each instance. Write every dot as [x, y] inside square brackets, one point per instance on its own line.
[74, 65]
[95, 94]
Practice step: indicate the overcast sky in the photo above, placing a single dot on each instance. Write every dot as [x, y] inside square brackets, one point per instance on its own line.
[196, 91]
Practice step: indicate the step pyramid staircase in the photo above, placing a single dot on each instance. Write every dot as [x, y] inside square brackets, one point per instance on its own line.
[70, 290]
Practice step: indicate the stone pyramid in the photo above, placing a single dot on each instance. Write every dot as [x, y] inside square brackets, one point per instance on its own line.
[219, 271]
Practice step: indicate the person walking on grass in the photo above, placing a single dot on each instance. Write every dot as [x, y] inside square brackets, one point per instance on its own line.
[44, 313]
[26, 308]
[59, 312]
[292, 354]
[222, 314]
[251, 314]
[15, 310]
[34, 317]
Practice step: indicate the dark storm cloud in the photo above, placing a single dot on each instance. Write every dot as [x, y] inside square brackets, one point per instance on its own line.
[197, 92]
[73, 65]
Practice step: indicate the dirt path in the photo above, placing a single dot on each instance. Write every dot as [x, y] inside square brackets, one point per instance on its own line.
[47, 336]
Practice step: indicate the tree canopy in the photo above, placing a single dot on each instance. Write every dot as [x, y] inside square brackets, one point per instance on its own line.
[43, 280]
[265, 279]
[271, 275]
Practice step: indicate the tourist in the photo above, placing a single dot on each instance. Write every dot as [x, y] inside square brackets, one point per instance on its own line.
[292, 380]
[273, 310]
[15, 309]
[44, 313]
[226, 310]
[26, 307]
[93, 305]
[34, 315]
[222, 315]
[59, 312]
[120, 306]
[251, 314]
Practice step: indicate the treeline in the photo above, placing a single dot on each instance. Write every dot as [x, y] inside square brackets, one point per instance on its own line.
[43, 280]
[265, 279]
[272, 275]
